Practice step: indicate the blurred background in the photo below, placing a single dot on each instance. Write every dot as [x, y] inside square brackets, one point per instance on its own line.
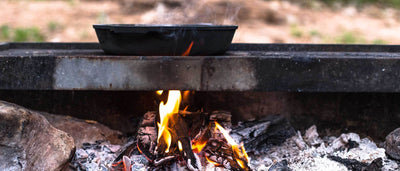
[259, 21]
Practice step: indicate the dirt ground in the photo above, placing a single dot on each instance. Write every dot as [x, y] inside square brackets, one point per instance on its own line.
[259, 21]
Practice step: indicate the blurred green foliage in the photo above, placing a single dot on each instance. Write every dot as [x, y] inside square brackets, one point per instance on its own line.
[315, 33]
[5, 32]
[53, 26]
[350, 38]
[379, 42]
[295, 31]
[21, 34]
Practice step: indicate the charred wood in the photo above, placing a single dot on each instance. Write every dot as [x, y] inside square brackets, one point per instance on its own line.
[355, 165]
[261, 134]
[147, 136]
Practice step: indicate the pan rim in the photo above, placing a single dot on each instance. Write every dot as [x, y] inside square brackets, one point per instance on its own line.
[166, 26]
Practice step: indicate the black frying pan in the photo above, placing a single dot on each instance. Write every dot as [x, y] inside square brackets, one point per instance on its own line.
[136, 39]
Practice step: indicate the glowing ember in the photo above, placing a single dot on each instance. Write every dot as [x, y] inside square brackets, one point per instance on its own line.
[186, 94]
[239, 153]
[166, 110]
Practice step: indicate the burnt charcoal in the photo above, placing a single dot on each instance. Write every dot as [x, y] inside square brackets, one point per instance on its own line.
[351, 164]
[98, 142]
[86, 146]
[355, 165]
[351, 144]
[91, 156]
[127, 150]
[259, 135]
[97, 147]
[280, 166]
[375, 165]
[392, 144]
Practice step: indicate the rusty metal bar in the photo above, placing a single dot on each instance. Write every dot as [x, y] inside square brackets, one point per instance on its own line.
[245, 67]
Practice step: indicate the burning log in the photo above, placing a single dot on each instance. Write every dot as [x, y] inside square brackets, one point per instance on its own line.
[176, 130]
[163, 160]
[180, 139]
[217, 146]
[179, 122]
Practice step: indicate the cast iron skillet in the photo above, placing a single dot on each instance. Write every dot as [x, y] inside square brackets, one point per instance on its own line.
[138, 39]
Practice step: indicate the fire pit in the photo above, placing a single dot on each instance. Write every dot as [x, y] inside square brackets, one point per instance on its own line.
[275, 78]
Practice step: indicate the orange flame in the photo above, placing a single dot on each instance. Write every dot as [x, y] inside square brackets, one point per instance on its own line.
[212, 162]
[198, 146]
[166, 110]
[180, 146]
[187, 52]
[244, 152]
[241, 153]
[159, 92]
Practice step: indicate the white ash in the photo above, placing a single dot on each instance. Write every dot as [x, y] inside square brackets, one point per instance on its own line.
[140, 163]
[97, 156]
[312, 137]
[101, 155]
[307, 152]
[310, 153]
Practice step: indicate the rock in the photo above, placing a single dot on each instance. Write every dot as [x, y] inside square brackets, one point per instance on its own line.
[84, 131]
[29, 142]
[392, 144]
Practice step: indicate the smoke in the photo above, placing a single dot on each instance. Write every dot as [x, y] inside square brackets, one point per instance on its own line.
[193, 12]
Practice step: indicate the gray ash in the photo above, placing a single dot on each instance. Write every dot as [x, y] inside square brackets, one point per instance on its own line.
[272, 144]
[96, 156]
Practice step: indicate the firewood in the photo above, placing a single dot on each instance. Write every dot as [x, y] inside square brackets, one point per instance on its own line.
[222, 117]
[178, 125]
[185, 127]
[147, 136]
[163, 160]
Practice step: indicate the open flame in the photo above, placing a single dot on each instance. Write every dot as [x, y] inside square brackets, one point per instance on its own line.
[166, 110]
[187, 52]
[197, 146]
[174, 133]
[212, 162]
[238, 151]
